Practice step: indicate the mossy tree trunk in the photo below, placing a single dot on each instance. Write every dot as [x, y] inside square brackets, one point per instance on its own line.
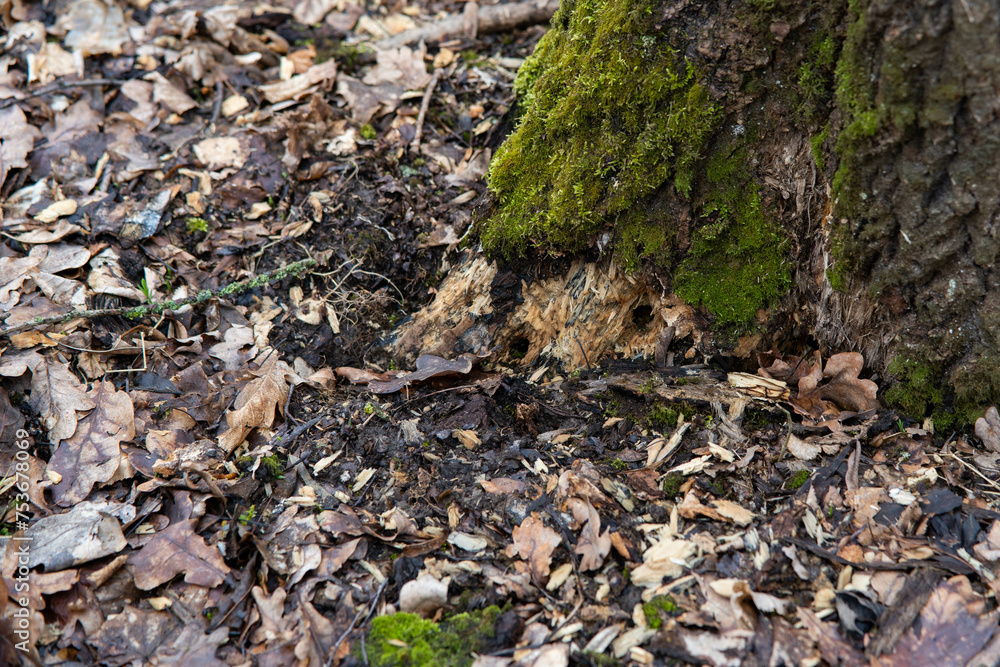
[754, 173]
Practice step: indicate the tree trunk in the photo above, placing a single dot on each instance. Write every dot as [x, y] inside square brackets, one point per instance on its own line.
[755, 174]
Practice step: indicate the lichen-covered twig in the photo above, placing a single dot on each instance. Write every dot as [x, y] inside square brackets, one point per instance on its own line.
[159, 307]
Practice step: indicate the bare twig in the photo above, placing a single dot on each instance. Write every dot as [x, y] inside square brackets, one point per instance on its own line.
[160, 307]
[490, 19]
[973, 470]
[415, 144]
[218, 104]
[56, 86]
[357, 617]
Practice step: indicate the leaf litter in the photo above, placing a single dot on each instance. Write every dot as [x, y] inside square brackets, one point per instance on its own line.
[198, 489]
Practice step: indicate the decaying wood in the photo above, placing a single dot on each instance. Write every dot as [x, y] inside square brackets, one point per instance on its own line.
[573, 316]
[490, 19]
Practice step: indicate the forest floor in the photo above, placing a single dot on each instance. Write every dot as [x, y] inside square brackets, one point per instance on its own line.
[238, 482]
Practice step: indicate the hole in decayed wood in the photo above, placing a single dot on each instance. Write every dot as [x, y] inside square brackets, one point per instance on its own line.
[642, 316]
[518, 348]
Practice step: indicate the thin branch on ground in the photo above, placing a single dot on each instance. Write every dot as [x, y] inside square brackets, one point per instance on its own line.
[490, 19]
[415, 144]
[363, 612]
[57, 86]
[159, 307]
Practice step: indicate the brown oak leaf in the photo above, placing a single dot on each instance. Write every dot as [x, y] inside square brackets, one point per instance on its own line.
[178, 549]
[93, 455]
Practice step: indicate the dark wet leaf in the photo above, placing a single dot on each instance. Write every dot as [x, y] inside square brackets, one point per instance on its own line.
[178, 550]
[954, 626]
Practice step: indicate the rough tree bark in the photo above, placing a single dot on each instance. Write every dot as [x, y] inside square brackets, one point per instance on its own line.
[755, 174]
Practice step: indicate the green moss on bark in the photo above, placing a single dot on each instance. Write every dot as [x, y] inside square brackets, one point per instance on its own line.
[738, 262]
[815, 78]
[920, 390]
[977, 386]
[612, 112]
[816, 143]
[917, 389]
[616, 121]
[856, 100]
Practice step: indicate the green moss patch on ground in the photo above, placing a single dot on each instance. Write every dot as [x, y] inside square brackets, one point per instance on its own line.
[664, 415]
[653, 608]
[797, 480]
[399, 640]
[612, 112]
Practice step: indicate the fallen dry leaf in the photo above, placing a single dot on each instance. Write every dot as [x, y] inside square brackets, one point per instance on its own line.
[592, 545]
[93, 454]
[80, 535]
[803, 449]
[178, 549]
[834, 649]
[988, 429]
[56, 393]
[257, 404]
[663, 560]
[220, 152]
[17, 138]
[428, 366]
[301, 84]
[503, 486]
[534, 542]
[402, 66]
[423, 595]
[954, 625]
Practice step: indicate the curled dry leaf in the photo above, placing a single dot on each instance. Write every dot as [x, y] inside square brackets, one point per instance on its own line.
[503, 486]
[364, 376]
[423, 595]
[664, 560]
[58, 209]
[428, 366]
[724, 510]
[989, 549]
[844, 395]
[592, 545]
[300, 84]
